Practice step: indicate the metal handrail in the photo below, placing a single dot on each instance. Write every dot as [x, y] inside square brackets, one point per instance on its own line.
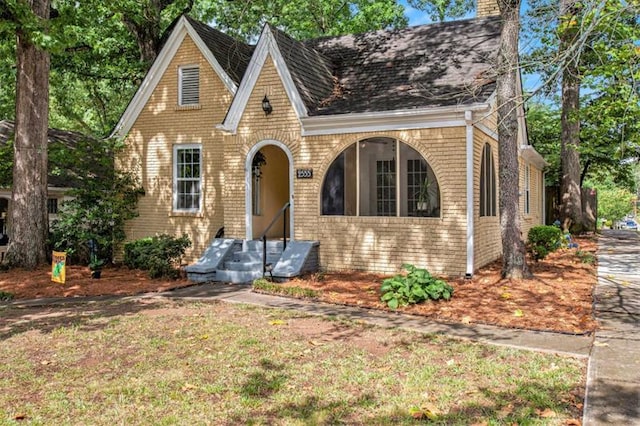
[263, 237]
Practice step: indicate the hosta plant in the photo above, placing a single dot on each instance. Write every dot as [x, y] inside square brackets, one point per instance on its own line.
[414, 287]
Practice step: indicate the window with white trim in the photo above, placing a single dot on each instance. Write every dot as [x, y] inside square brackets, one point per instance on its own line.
[189, 85]
[527, 189]
[487, 183]
[187, 177]
[380, 177]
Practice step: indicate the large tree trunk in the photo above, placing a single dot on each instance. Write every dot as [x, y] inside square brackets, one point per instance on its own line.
[571, 202]
[28, 217]
[514, 254]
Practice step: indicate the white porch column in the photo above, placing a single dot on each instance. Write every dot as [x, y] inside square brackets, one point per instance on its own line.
[468, 117]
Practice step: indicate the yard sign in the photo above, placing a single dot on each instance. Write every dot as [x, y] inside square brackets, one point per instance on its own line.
[58, 266]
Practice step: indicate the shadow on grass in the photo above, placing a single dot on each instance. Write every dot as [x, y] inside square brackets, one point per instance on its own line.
[46, 319]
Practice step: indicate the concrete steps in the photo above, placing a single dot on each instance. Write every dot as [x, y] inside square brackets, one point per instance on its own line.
[238, 261]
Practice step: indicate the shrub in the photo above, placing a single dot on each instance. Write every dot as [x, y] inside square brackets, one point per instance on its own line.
[158, 255]
[416, 286]
[543, 240]
[100, 203]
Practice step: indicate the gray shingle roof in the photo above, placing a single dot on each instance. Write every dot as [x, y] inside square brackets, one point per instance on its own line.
[309, 69]
[432, 65]
[233, 55]
[71, 173]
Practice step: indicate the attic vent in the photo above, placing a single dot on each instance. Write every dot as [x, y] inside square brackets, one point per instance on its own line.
[189, 85]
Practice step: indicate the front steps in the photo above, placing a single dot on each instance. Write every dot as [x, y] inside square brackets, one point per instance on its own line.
[238, 261]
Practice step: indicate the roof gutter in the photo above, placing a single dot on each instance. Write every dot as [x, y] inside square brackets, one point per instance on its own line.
[424, 118]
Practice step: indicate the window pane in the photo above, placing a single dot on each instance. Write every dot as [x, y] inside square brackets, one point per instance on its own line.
[419, 190]
[188, 178]
[339, 186]
[377, 177]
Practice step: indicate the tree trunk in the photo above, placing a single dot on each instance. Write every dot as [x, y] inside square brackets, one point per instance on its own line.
[28, 217]
[514, 254]
[571, 202]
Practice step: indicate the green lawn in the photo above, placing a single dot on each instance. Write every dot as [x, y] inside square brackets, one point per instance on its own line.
[168, 362]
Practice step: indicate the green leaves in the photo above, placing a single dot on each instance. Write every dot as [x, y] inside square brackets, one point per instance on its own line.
[418, 285]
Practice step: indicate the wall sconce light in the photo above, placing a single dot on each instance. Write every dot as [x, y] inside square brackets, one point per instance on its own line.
[266, 106]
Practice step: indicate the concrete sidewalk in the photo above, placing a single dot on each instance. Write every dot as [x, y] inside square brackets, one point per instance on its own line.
[613, 378]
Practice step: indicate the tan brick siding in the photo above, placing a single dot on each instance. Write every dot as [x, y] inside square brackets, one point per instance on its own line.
[534, 217]
[487, 242]
[367, 243]
[487, 8]
[379, 244]
[149, 152]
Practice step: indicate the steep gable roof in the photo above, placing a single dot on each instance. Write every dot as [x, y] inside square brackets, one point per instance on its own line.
[310, 70]
[444, 65]
[227, 57]
[233, 55]
[434, 65]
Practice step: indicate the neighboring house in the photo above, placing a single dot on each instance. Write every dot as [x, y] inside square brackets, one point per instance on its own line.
[59, 181]
[384, 145]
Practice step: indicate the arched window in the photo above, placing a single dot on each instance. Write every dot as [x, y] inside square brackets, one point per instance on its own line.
[487, 183]
[380, 177]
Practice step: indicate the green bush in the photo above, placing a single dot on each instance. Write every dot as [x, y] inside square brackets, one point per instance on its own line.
[416, 286]
[100, 203]
[158, 255]
[543, 240]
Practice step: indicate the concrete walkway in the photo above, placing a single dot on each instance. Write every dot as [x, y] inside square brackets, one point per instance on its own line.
[613, 379]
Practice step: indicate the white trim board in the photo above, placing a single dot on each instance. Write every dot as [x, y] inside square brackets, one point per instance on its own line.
[266, 46]
[158, 69]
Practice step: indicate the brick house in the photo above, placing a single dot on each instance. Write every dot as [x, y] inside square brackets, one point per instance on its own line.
[381, 149]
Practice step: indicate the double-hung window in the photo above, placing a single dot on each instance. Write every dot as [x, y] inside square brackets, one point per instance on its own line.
[187, 177]
[188, 85]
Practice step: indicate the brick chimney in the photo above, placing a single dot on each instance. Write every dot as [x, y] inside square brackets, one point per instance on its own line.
[487, 8]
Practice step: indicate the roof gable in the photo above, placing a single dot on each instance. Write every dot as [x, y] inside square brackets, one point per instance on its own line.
[228, 68]
[297, 70]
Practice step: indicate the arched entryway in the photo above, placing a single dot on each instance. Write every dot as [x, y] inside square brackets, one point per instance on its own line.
[269, 186]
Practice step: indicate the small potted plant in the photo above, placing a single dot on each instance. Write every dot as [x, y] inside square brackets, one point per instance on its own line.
[95, 265]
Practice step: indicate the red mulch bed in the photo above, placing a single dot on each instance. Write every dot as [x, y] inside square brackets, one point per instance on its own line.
[559, 297]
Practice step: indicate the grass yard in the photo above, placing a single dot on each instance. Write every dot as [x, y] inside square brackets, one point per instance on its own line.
[164, 362]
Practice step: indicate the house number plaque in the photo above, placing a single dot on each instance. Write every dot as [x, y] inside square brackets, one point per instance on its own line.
[304, 173]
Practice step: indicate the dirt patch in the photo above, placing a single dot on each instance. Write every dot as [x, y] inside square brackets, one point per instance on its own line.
[115, 280]
[558, 298]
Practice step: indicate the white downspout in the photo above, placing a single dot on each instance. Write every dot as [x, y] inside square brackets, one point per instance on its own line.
[468, 117]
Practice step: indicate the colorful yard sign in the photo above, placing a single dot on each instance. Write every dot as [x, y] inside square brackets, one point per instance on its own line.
[58, 266]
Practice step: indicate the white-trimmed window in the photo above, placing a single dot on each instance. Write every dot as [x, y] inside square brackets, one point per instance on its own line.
[487, 183]
[187, 177]
[380, 177]
[189, 85]
[527, 189]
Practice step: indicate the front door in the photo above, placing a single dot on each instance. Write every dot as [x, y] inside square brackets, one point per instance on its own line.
[269, 191]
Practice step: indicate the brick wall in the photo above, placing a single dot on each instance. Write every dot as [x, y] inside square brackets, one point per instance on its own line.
[487, 8]
[487, 241]
[380, 244]
[149, 151]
